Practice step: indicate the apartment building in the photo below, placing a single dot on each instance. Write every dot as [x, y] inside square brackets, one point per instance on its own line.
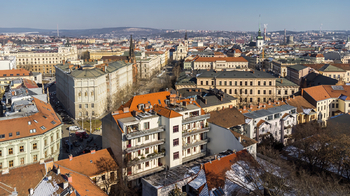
[7, 63]
[20, 74]
[220, 63]
[329, 100]
[306, 111]
[280, 66]
[154, 131]
[275, 121]
[96, 55]
[30, 132]
[87, 91]
[295, 73]
[43, 61]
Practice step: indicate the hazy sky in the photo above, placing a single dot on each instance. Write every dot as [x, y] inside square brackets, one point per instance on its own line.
[177, 14]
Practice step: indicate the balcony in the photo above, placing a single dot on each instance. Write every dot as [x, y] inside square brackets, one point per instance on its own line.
[195, 118]
[145, 173]
[190, 132]
[148, 158]
[192, 157]
[138, 147]
[193, 144]
[136, 133]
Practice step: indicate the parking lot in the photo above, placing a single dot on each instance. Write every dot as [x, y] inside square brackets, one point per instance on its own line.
[70, 143]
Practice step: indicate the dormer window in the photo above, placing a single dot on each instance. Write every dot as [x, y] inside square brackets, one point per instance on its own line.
[35, 121]
[29, 123]
[141, 106]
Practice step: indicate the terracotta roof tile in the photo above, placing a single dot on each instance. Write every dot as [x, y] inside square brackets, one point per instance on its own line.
[150, 97]
[300, 103]
[14, 72]
[227, 59]
[87, 163]
[23, 178]
[166, 112]
[45, 117]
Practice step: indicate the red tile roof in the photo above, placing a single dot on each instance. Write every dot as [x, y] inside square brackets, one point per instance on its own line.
[323, 92]
[29, 83]
[227, 59]
[89, 164]
[150, 97]
[14, 72]
[44, 117]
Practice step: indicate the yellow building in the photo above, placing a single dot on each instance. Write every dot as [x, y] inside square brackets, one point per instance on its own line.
[99, 54]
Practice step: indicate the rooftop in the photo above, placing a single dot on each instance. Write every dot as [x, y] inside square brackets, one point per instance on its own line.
[267, 112]
[285, 82]
[323, 92]
[227, 118]
[234, 74]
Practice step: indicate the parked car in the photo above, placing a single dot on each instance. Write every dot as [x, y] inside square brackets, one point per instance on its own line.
[73, 128]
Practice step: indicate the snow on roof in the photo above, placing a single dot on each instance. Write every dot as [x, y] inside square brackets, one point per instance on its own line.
[199, 180]
[46, 188]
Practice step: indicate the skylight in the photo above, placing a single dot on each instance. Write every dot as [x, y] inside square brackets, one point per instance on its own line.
[43, 127]
[53, 122]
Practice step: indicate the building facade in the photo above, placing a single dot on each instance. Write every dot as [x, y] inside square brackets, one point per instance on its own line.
[89, 90]
[29, 135]
[154, 131]
[43, 61]
[220, 63]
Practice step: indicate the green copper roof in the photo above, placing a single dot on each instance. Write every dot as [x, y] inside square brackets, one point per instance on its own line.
[331, 68]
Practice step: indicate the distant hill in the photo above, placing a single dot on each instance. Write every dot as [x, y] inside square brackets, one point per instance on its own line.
[113, 31]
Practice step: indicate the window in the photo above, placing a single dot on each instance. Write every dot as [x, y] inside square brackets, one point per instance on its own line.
[230, 83]
[246, 83]
[332, 105]
[45, 154]
[286, 92]
[147, 164]
[92, 105]
[212, 82]
[86, 105]
[146, 125]
[80, 106]
[22, 161]
[235, 83]
[45, 142]
[264, 92]
[251, 91]
[0, 153]
[21, 149]
[336, 105]
[201, 82]
[2, 136]
[146, 150]
[138, 139]
[51, 138]
[176, 155]
[0, 165]
[194, 149]
[258, 83]
[225, 83]
[17, 133]
[10, 134]
[240, 83]
[175, 128]
[103, 177]
[270, 92]
[176, 142]
[189, 151]
[206, 83]
[10, 150]
[35, 146]
[220, 83]
[139, 166]
[251, 83]
[279, 92]
[258, 91]
[52, 150]
[146, 137]
[35, 158]
[11, 163]
[57, 135]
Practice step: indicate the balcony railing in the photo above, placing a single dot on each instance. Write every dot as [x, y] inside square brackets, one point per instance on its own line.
[195, 118]
[147, 158]
[137, 134]
[197, 143]
[195, 131]
[192, 157]
[138, 147]
[145, 173]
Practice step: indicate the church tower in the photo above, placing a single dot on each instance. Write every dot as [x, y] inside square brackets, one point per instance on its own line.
[259, 40]
[186, 41]
[131, 51]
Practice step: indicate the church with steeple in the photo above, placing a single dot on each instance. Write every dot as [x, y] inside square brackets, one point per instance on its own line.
[181, 50]
[259, 40]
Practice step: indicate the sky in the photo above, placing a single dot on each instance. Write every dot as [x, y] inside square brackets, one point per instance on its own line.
[228, 15]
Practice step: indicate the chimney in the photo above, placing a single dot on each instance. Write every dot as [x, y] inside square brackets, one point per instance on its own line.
[125, 109]
[69, 177]
[196, 90]
[244, 108]
[65, 185]
[200, 90]
[221, 99]
[281, 80]
[70, 157]
[205, 101]
[201, 166]
[31, 191]
[269, 102]
[240, 139]
[215, 157]
[63, 62]
[231, 106]
[58, 170]
[93, 151]
[189, 90]
[293, 96]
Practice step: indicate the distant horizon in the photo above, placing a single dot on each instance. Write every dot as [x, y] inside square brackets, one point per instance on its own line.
[166, 29]
[224, 15]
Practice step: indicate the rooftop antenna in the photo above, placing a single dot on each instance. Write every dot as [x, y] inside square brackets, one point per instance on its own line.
[58, 32]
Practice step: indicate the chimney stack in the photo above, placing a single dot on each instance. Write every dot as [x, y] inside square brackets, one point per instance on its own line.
[244, 108]
[69, 177]
[281, 80]
[70, 157]
[125, 109]
[31, 191]
[93, 151]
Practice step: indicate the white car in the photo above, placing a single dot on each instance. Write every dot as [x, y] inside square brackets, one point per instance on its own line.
[73, 128]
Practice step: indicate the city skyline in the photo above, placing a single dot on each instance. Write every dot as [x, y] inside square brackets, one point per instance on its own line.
[226, 15]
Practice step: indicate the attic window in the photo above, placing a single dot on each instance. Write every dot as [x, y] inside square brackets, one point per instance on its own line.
[10, 134]
[32, 130]
[53, 122]
[2, 136]
[45, 117]
[159, 102]
[43, 127]
[17, 133]
[35, 121]
[29, 123]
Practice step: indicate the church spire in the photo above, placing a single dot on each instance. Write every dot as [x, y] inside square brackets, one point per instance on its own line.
[131, 50]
